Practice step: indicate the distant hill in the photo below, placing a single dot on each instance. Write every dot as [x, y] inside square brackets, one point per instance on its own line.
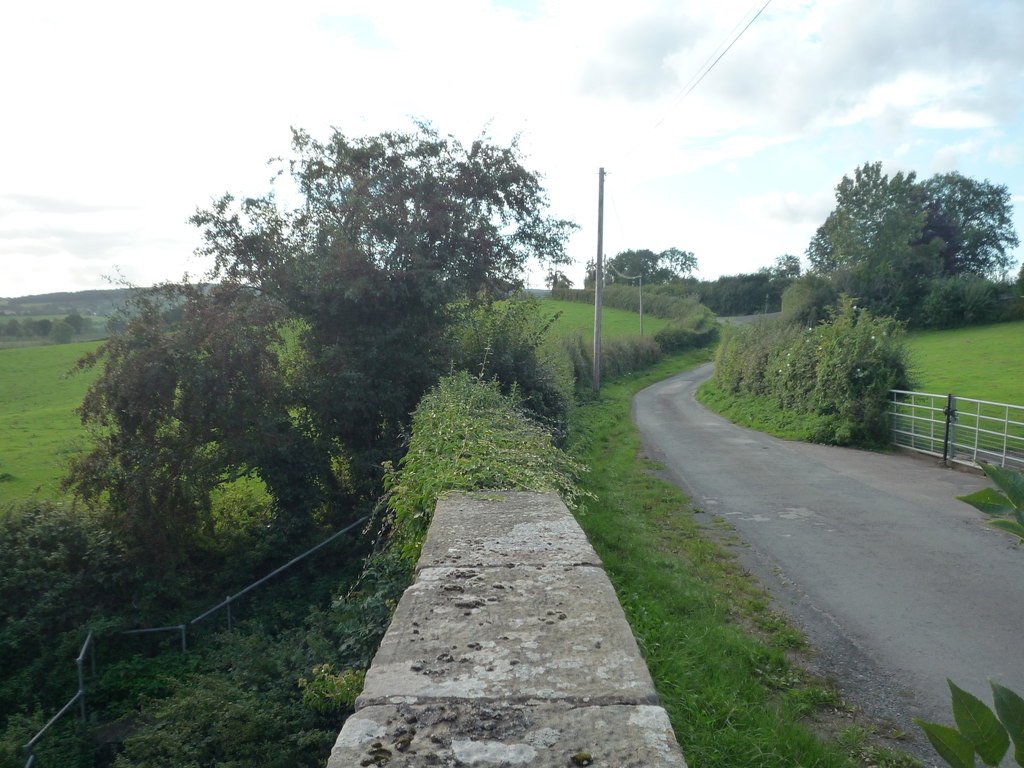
[85, 303]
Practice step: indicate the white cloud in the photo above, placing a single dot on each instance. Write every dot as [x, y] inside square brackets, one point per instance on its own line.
[124, 117]
[639, 62]
[840, 61]
[1006, 154]
[788, 208]
[933, 117]
[952, 157]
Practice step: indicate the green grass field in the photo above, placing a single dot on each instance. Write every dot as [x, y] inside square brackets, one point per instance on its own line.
[578, 318]
[38, 426]
[39, 429]
[984, 362]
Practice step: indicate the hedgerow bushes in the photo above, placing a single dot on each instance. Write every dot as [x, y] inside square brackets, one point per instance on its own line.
[619, 357]
[693, 326]
[953, 302]
[675, 338]
[507, 342]
[839, 372]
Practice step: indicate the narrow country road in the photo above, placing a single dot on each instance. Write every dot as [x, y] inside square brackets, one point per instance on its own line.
[896, 583]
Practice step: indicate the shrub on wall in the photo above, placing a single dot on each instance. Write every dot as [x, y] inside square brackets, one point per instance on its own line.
[468, 436]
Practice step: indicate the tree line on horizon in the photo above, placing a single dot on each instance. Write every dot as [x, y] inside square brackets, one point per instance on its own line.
[935, 253]
[59, 331]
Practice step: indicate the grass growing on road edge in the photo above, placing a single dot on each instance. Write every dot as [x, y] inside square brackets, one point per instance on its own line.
[719, 657]
[759, 413]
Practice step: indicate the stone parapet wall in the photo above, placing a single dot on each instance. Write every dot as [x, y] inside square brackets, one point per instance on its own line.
[510, 649]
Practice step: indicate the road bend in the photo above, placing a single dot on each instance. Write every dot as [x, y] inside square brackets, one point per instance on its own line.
[897, 584]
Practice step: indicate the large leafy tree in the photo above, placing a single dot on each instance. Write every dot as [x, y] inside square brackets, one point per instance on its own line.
[871, 244]
[888, 237]
[656, 268]
[327, 321]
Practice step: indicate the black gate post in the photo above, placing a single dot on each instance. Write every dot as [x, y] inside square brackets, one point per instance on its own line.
[950, 412]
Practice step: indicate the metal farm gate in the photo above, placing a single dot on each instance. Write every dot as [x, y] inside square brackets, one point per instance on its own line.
[958, 429]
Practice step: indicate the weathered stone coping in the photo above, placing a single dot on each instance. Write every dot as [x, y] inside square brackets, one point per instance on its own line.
[510, 649]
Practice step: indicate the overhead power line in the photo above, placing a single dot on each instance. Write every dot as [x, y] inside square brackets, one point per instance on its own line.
[716, 56]
[706, 68]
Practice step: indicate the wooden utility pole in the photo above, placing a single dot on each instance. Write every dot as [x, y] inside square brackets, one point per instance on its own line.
[598, 281]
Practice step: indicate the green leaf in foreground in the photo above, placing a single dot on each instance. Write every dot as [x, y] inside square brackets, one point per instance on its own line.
[1009, 502]
[1010, 708]
[979, 726]
[1011, 483]
[949, 743]
[988, 500]
[1010, 526]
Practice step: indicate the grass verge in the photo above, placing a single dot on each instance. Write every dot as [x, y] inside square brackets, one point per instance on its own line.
[720, 658]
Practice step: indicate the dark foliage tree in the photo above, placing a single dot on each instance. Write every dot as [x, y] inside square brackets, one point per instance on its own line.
[78, 323]
[40, 328]
[557, 279]
[325, 323]
[974, 221]
[786, 266]
[192, 395]
[61, 332]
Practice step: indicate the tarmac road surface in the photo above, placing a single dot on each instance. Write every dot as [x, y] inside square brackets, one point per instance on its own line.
[895, 582]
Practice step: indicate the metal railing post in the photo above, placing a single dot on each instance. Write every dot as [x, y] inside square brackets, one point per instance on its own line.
[977, 430]
[228, 601]
[81, 689]
[952, 427]
[949, 418]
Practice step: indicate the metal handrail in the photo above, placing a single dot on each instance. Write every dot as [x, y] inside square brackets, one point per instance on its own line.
[79, 697]
[228, 600]
[89, 644]
[175, 628]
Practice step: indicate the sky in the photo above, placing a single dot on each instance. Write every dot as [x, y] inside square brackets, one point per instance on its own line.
[121, 119]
